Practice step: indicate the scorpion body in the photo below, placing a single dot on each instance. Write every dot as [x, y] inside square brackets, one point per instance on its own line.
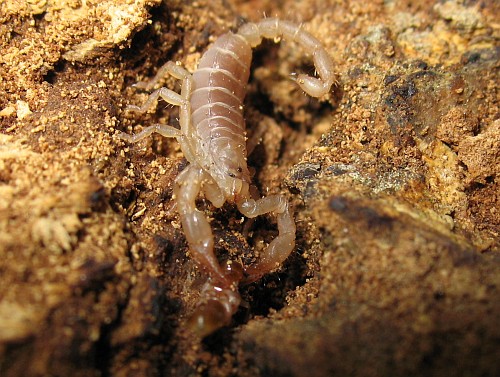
[213, 139]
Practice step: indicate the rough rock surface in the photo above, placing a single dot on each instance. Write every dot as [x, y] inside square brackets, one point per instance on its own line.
[394, 180]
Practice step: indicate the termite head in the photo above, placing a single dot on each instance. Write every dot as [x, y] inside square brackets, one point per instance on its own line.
[221, 300]
[208, 317]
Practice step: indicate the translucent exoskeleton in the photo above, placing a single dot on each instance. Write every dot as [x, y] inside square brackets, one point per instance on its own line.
[212, 138]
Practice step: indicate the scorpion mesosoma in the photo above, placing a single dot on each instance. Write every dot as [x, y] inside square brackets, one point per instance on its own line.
[213, 139]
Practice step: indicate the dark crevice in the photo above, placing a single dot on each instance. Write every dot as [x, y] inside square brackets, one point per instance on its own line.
[52, 75]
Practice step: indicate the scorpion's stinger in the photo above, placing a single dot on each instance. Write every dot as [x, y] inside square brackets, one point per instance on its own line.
[275, 29]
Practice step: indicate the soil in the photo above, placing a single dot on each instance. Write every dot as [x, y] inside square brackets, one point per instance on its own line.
[393, 177]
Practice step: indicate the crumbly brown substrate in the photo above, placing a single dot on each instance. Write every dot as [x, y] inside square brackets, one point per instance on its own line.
[394, 181]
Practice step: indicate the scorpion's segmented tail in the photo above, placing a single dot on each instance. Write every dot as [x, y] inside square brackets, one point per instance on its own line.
[273, 28]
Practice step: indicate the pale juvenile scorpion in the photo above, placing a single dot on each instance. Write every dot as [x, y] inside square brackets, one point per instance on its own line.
[212, 137]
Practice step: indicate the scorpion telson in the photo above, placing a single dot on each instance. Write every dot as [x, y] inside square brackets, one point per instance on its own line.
[212, 138]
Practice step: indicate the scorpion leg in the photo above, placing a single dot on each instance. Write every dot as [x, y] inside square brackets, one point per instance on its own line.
[281, 247]
[168, 68]
[181, 100]
[168, 95]
[162, 129]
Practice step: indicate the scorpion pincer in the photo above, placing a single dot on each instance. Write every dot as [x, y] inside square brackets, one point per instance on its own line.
[213, 139]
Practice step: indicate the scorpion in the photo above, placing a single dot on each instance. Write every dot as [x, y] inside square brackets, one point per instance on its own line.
[213, 139]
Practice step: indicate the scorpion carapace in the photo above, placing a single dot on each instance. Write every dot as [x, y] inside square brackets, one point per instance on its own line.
[213, 139]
